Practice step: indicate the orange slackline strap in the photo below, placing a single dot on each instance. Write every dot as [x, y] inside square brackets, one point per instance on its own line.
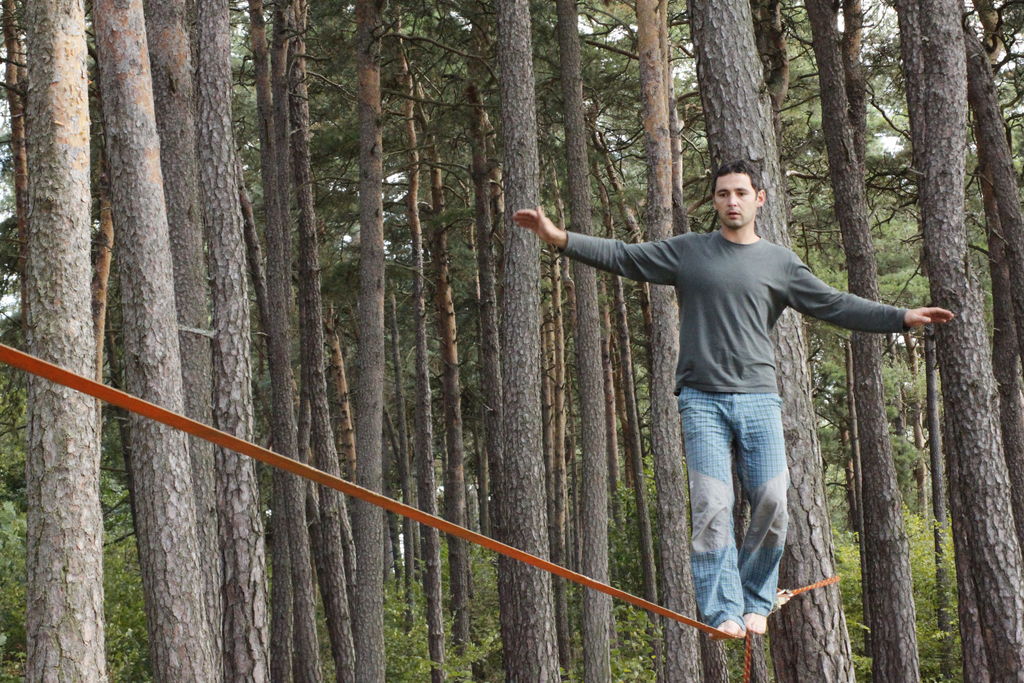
[782, 598]
[116, 397]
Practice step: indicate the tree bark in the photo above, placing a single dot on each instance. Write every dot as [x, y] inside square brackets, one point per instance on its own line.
[527, 612]
[984, 527]
[593, 517]
[14, 72]
[885, 546]
[64, 625]
[810, 637]
[942, 587]
[368, 521]
[175, 98]
[682, 653]
[1005, 358]
[182, 640]
[451, 400]
[244, 624]
[328, 549]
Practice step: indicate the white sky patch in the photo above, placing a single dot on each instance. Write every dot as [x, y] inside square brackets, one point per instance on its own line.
[891, 144]
[617, 33]
[395, 178]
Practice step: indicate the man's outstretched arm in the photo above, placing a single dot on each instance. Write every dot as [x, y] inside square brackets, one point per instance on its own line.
[535, 221]
[656, 262]
[916, 317]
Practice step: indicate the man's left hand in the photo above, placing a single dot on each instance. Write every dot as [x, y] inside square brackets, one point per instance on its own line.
[916, 317]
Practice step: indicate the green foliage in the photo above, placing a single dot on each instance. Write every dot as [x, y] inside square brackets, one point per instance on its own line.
[934, 646]
[12, 590]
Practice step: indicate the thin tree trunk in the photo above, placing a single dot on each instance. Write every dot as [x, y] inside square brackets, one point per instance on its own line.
[423, 437]
[490, 363]
[682, 653]
[402, 459]
[810, 636]
[593, 517]
[527, 612]
[333, 513]
[983, 527]
[942, 587]
[103, 243]
[13, 74]
[64, 625]
[244, 622]
[451, 399]
[885, 547]
[182, 639]
[369, 521]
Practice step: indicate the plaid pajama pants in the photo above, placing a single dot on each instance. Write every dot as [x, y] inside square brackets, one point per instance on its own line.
[728, 583]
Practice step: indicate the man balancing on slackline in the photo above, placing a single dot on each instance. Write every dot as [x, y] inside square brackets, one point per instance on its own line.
[732, 286]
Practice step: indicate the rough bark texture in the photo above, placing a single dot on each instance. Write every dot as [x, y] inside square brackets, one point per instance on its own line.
[809, 637]
[454, 471]
[996, 158]
[490, 357]
[1005, 355]
[282, 415]
[14, 73]
[167, 35]
[527, 611]
[64, 625]
[181, 635]
[328, 551]
[942, 587]
[423, 435]
[593, 517]
[245, 621]
[409, 529]
[368, 521]
[983, 528]
[682, 653]
[886, 550]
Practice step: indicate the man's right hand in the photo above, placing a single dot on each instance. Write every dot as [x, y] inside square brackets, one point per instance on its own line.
[535, 221]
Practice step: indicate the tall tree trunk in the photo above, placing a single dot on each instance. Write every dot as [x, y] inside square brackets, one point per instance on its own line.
[527, 612]
[942, 587]
[682, 654]
[293, 491]
[181, 635]
[451, 400]
[983, 527]
[14, 72]
[423, 435]
[175, 98]
[1006, 240]
[369, 409]
[333, 513]
[1005, 358]
[811, 640]
[402, 460]
[244, 624]
[593, 517]
[553, 335]
[64, 624]
[886, 550]
[103, 244]
[282, 413]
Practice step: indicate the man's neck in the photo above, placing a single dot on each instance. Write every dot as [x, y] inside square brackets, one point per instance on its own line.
[744, 235]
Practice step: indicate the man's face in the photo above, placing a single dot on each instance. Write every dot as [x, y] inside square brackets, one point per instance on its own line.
[736, 200]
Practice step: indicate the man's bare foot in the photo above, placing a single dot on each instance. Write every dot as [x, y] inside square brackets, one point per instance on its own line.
[730, 627]
[756, 623]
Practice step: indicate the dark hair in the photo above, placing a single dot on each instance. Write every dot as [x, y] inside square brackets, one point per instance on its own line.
[739, 166]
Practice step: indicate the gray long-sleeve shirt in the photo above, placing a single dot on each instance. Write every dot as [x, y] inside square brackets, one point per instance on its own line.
[730, 296]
